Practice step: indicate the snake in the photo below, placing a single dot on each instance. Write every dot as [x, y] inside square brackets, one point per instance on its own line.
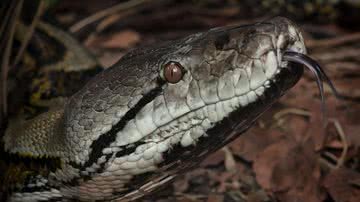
[155, 114]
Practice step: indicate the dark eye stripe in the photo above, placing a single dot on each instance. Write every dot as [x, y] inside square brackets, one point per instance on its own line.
[106, 139]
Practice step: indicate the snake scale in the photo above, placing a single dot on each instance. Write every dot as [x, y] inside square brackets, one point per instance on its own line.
[154, 114]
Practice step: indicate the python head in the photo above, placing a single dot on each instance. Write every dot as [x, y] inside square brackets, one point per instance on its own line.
[168, 106]
[162, 109]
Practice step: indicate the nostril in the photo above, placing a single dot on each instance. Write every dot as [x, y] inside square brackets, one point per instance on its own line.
[298, 46]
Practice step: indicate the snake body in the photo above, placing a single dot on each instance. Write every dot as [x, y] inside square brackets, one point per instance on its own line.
[129, 130]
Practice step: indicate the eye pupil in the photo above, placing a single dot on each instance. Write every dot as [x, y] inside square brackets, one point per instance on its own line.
[173, 72]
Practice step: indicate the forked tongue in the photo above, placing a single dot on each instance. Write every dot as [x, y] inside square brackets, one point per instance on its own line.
[319, 73]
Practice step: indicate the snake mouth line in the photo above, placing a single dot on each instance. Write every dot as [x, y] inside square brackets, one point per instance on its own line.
[318, 72]
[295, 61]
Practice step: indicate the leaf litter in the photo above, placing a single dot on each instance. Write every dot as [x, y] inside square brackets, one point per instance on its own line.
[288, 155]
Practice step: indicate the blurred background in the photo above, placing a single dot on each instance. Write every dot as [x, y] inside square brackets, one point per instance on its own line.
[288, 156]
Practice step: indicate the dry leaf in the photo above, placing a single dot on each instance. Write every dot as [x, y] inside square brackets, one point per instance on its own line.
[353, 135]
[348, 87]
[120, 40]
[230, 163]
[214, 159]
[297, 127]
[110, 58]
[339, 186]
[215, 198]
[254, 141]
[181, 184]
[289, 170]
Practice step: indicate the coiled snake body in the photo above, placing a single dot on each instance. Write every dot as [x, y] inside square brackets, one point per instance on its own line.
[156, 113]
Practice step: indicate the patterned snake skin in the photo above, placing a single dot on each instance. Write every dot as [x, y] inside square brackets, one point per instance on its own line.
[129, 131]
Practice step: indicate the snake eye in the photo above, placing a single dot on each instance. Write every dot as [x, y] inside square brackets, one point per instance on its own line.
[173, 72]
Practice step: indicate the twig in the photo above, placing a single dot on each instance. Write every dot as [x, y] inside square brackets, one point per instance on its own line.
[261, 123]
[344, 67]
[103, 13]
[8, 10]
[331, 156]
[6, 56]
[333, 41]
[230, 163]
[29, 33]
[278, 117]
[326, 164]
[339, 161]
[342, 135]
[341, 54]
[190, 196]
[107, 22]
[287, 111]
[6, 19]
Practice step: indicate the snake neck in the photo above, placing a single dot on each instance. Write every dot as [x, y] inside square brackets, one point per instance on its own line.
[39, 137]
